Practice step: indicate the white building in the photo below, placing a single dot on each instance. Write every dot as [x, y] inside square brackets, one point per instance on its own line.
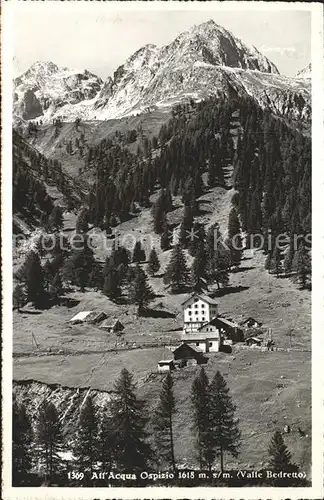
[205, 342]
[198, 310]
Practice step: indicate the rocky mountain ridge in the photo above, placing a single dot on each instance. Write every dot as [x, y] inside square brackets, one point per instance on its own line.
[206, 60]
[306, 72]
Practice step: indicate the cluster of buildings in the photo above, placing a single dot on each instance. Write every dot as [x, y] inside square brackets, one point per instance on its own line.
[205, 331]
[99, 318]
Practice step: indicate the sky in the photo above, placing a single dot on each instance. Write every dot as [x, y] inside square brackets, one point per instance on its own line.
[100, 41]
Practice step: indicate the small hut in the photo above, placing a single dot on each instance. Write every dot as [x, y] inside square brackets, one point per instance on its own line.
[112, 325]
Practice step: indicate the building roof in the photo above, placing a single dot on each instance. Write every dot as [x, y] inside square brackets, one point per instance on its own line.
[257, 339]
[194, 348]
[81, 316]
[166, 361]
[219, 319]
[249, 319]
[110, 323]
[96, 316]
[194, 337]
[201, 296]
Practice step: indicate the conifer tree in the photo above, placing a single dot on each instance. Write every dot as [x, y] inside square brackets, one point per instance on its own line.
[129, 419]
[18, 297]
[275, 265]
[96, 277]
[21, 444]
[82, 223]
[186, 226]
[302, 264]
[106, 442]
[138, 253]
[86, 440]
[158, 212]
[111, 285]
[218, 257]
[234, 238]
[78, 267]
[198, 238]
[49, 438]
[201, 420]
[226, 434]
[280, 457]
[167, 199]
[153, 263]
[48, 274]
[140, 293]
[280, 460]
[56, 218]
[163, 423]
[56, 287]
[267, 264]
[177, 272]
[199, 269]
[288, 260]
[165, 238]
[32, 275]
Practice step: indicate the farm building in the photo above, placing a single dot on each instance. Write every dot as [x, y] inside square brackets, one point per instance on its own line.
[166, 365]
[227, 331]
[257, 341]
[96, 317]
[251, 323]
[198, 309]
[112, 326]
[189, 352]
[205, 341]
[80, 317]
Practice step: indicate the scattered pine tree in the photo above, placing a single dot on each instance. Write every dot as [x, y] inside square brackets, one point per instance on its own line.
[56, 218]
[111, 285]
[234, 238]
[280, 460]
[166, 239]
[138, 253]
[129, 419]
[49, 439]
[224, 425]
[200, 397]
[163, 423]
[21, 444]
[86, 440]
[302, 264]
[140, 292]
[106, 442]
[32, 275]
[275, 265]
[177, 272]
[18, 297]
[153, 263]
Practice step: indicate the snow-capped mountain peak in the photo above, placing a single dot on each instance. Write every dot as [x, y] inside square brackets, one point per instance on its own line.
[205, 60]
[45, 87]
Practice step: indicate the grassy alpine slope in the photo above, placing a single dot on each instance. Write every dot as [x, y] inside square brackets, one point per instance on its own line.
[270, 389]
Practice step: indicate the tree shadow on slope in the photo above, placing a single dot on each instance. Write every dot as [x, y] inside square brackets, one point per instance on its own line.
[227, 291]
[157, 313]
